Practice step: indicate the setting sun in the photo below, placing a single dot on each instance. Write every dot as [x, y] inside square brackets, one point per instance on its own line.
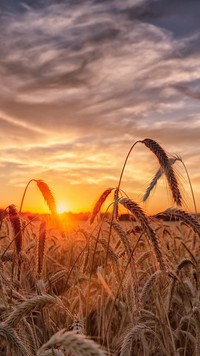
[62, 207]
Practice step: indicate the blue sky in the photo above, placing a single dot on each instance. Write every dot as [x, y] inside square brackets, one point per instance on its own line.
[80, 81]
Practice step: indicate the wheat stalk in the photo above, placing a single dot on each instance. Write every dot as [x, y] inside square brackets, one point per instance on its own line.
[28, 331]
[16, 225]
[122, 234]
[7, 332]
[183, 263]
[187, 218]
[155, 179]
[53, 352]
[134, 332]
[135, 209]
[167, 168]
[41, 247]
[99, 204]
[116, 207]
[148, 285]
[78, 344]
[27, 306]
[196, 314]
[46, 193]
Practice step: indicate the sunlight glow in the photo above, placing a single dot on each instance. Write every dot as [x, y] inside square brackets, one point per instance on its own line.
[62, 207]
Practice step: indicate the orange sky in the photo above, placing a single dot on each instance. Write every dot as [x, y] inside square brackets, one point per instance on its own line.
[80, 82]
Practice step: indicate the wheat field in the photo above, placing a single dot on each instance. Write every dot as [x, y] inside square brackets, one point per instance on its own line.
[107, 286]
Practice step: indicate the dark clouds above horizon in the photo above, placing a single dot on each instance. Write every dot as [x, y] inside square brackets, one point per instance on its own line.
[81, 80]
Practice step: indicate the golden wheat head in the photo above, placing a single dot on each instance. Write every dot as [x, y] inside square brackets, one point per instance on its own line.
[99, 204]
[167, 167]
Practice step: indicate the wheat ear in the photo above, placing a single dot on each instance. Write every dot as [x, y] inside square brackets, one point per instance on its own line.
[47, 195]
[16, 225]
[116, 207]
[187, 218]
[13, 339]
[155, 179]
[135, 209]
[185, 262]
[27, 306]
[168, 170]
[148, 285]
[99, 203]
[46, 192]
[136, 332]
[75, 343]
[53, 352]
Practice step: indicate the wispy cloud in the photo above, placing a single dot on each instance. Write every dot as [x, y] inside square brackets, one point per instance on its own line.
[80, 81]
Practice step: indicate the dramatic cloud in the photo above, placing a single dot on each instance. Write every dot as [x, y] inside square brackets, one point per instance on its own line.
[80, 81]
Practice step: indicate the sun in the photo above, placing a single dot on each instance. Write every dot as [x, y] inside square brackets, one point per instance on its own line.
[61, 207]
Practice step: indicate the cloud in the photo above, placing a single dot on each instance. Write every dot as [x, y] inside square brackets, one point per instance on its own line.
[81, 81]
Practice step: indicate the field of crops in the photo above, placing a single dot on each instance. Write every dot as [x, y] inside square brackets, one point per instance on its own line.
[103, 286]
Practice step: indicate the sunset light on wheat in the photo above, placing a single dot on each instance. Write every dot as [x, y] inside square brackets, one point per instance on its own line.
[100, 178]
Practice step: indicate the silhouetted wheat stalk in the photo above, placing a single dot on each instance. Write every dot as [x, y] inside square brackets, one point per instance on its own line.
[116, 209]
[99, 203]
[46, 193]
[155, 179]
[167, 168]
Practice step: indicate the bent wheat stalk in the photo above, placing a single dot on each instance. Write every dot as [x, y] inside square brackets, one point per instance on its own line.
[46, 192]
[27, 306]
[167, 168]
[187, 218]
[164, 163]
[155, 179]
[135, 209]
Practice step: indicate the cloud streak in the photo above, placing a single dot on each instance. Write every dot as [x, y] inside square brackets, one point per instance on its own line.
[81, 81]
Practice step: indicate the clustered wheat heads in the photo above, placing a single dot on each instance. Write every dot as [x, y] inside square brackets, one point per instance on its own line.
[106, 275]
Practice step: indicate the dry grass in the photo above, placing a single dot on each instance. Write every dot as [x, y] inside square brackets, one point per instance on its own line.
[118, 288]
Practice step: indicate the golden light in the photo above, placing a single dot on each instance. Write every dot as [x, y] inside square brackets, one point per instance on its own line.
[62, 207]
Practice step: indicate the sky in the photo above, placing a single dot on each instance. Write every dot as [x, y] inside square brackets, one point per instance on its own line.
[81, 81]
